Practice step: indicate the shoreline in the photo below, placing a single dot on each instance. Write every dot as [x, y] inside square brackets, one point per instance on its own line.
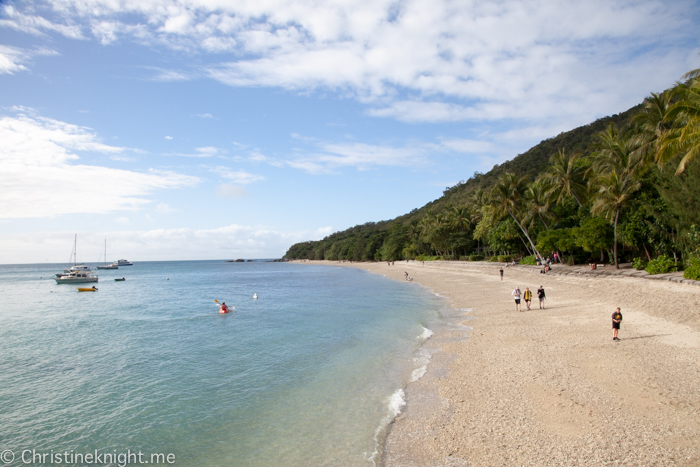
[551, 387]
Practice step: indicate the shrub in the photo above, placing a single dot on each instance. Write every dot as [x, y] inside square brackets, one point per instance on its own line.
[476, 257]
[429, 258]
[693, 269]
[532, 260]
[639, 263]
[493, 259]
[661, 265]
[504, 258]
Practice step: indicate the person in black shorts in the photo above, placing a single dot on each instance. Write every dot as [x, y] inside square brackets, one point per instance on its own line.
[541, 296]
[616, 320]
[501, 273]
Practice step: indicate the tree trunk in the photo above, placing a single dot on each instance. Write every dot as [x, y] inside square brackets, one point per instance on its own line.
[617, 264]
[542, 219]
[646, 251]
[537, 253]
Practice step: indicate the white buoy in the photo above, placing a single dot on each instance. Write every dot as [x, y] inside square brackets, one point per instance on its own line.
[255, 296]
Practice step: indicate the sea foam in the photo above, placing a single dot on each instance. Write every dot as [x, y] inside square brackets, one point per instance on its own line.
[426, 334]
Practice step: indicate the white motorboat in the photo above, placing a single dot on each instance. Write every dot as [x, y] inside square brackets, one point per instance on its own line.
[114, 265]
[76, 277]
[123, 262]
[77, 267]
[78, 273]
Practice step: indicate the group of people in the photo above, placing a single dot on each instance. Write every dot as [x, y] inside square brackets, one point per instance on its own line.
[527, 296]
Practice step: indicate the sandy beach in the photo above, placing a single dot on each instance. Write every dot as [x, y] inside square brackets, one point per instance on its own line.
[551, 387]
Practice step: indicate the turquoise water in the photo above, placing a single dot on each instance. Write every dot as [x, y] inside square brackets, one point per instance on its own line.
[309, 374]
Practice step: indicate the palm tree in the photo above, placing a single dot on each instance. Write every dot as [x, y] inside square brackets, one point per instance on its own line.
[615, 151]
[651, 124]
[614, 194]
[461, 217]
[507, 199]
[566, 177]
[683, 139]
[537, 202]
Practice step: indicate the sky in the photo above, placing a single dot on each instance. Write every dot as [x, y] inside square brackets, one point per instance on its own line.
[219, 129]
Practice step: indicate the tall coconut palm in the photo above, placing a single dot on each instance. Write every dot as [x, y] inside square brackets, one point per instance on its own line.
[683, 139]
[615, 151]
[566, 177]
[614, 194]
[460, 217]
[651, 124]
[507, 198]
[537, 203]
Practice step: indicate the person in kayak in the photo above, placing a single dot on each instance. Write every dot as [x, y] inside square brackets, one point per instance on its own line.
[223, 308]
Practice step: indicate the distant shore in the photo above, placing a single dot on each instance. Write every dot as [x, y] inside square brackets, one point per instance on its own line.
[551, 387]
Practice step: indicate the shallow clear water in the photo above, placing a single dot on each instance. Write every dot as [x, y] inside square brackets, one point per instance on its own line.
[308, 374]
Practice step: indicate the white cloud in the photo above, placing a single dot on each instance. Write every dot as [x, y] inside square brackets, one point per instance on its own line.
[414, 60]
[228, 242]
[207, 151]
[165, 208]
[13, 58]
[37, 25]
[240, 177]
[204, 116]
[40, 176]
[228, 191]
[168, 137]
[122, 220]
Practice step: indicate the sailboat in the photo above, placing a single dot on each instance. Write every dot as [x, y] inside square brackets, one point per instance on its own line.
[78, 273]
[105, 265]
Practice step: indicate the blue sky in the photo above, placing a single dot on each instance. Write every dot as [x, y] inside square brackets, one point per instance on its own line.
[212, 129]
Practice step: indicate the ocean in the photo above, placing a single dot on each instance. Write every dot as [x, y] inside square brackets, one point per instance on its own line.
[309, 374]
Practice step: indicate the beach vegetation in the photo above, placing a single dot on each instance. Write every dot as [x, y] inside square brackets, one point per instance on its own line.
[639, 263]
[623, 187]
[530, 260]
[661, 265]
[476, 257]
[692, 269]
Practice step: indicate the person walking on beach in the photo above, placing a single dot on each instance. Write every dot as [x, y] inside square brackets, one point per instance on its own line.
[501, 273]
[516, 296]
[405, 275]
[541, 296]
[616, 320]
[528, 297]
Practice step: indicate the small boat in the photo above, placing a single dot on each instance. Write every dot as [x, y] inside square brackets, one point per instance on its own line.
[105, 265]
[78, 273]
[255, 296]
[77, 277]
[87, 289]
[77, 267]
[120, 280]
[123, 262]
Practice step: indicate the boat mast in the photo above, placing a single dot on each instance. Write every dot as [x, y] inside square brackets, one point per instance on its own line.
[75, 250]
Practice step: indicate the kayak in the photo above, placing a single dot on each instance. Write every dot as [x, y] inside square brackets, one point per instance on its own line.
[119, 280]
[87, 289]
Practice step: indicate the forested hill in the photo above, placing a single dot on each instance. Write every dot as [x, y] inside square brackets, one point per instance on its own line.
[363, 242]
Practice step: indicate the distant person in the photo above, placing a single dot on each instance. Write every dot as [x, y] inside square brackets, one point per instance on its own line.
[501, 273]
[616, 320]
[528, 297]
[405, 275]
[516, 295]
[541, 296]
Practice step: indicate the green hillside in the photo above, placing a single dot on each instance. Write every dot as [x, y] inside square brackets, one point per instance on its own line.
[620, 189]
[530, 163]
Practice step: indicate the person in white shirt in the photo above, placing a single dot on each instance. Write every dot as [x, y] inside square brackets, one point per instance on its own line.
[516, 295]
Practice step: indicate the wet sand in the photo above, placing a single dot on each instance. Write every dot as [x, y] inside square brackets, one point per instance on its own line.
[550, 387]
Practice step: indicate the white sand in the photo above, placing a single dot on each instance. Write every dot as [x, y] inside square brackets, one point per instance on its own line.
[550, 387]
